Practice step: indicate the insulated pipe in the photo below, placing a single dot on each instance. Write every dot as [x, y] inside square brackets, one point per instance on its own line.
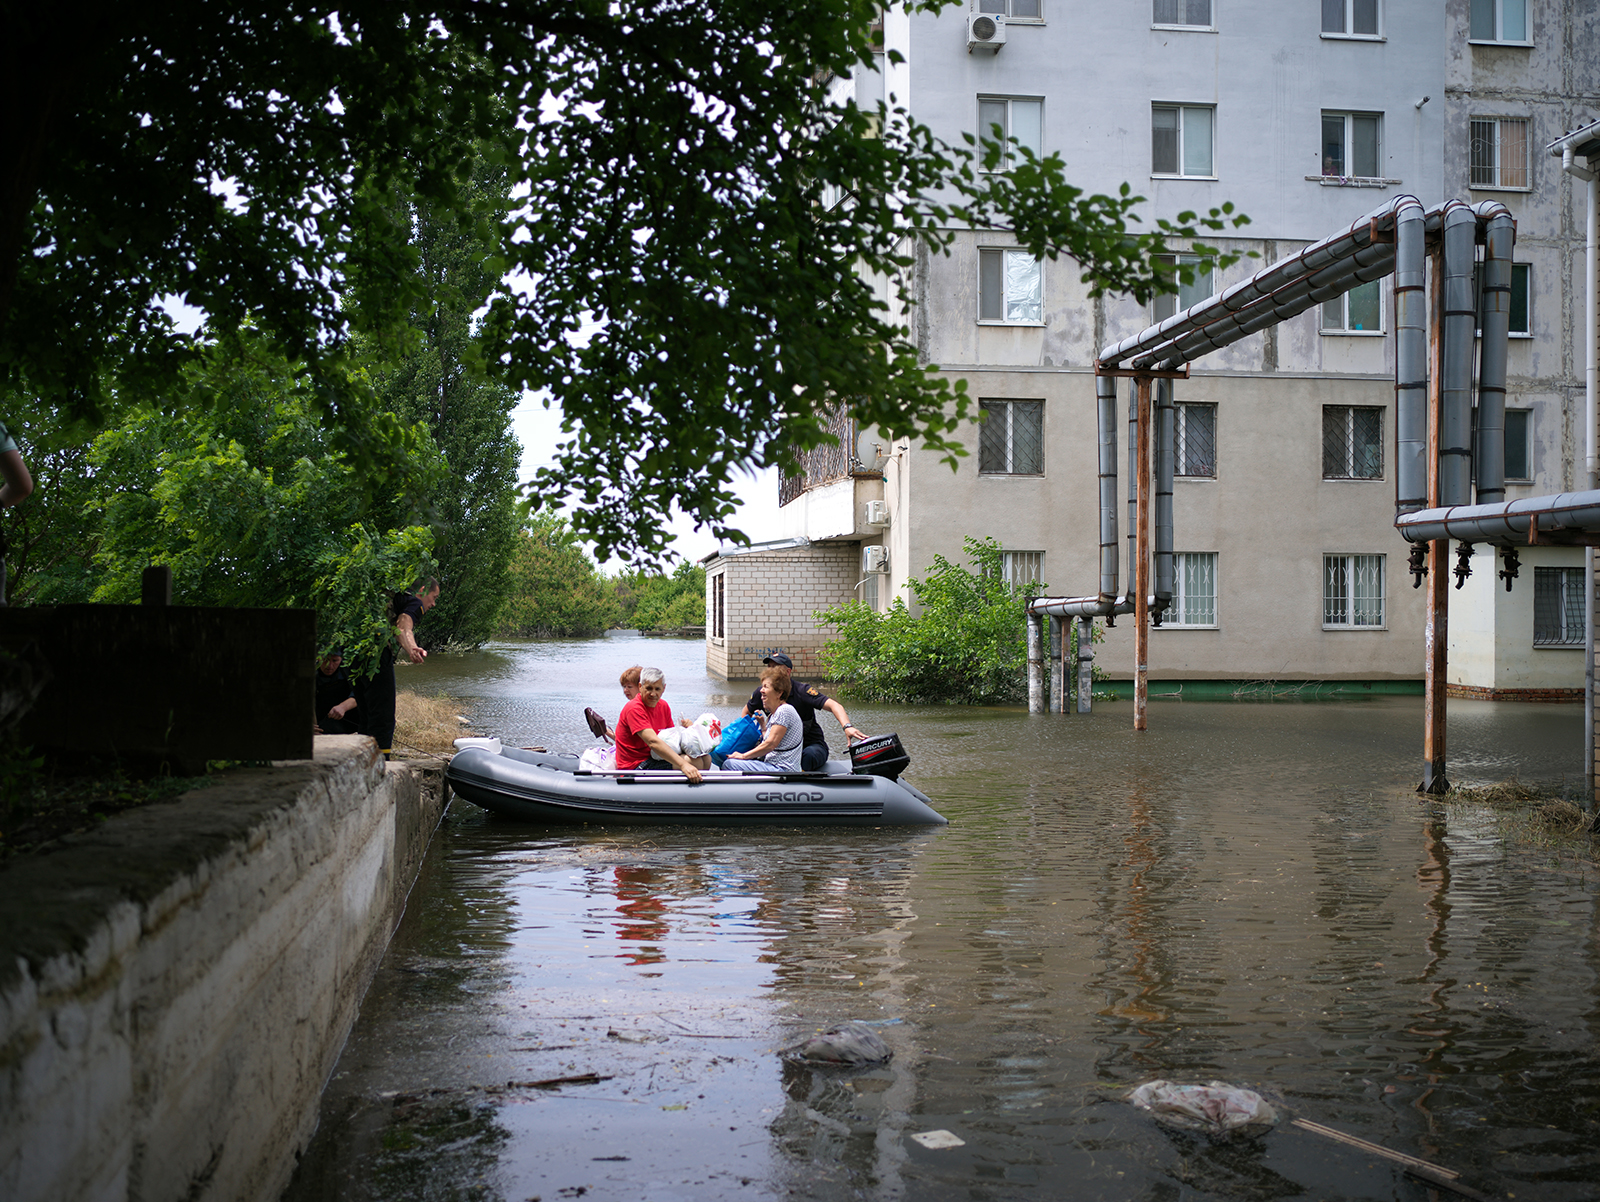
[1085, 664]
[1490, 453]
[1410, 359]
[1268, 280]
[1506, 523]
[1105, 389]
[1132, 540]
[1166, 416]
[1035, 664]
[1455, 359]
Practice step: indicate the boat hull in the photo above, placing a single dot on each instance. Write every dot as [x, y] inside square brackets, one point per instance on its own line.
[540, 788]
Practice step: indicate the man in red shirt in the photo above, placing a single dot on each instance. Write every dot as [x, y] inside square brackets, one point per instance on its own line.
[638, 744]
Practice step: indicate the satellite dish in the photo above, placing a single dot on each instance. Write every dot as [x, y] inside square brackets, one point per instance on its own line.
[871, 450]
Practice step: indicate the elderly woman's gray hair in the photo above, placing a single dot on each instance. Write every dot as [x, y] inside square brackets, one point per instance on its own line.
[651, 675]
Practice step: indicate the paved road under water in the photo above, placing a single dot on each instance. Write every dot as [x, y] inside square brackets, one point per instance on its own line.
[1245, 892]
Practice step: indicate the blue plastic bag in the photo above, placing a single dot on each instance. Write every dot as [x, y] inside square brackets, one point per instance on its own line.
[739, 735]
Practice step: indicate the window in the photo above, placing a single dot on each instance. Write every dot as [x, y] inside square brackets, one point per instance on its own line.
[1558, 607]
[1350, 145]
[1499, 152]
[1499, 21]
[1017, 10]
[1010, 287]
[1181, 140]
[1359, 311]
[718, 615]
[1519, 446]
[1196, 440]
[1352, 590]
[1350, 18]
[1520, 280]
[1195, 13]
[1165, 305]
[1352, 443]
[1011, 439]
[1194, 599]
[1019, 119]
[1019, 569]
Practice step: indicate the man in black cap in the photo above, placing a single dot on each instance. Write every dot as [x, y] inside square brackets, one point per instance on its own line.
[807, 700]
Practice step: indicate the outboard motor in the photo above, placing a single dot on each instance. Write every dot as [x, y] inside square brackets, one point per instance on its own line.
[881, 755]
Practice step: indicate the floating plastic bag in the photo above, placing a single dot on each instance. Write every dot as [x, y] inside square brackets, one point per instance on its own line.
[739, 735]
[851, 1045]
[598, 759]
[1217, 1108]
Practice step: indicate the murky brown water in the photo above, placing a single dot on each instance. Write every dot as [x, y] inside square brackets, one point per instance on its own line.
[1245, 892]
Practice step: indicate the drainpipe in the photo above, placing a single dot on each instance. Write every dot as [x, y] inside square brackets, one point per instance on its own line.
[1455, 393]
[1410, 360]
[1499, 239]
[1166, 416]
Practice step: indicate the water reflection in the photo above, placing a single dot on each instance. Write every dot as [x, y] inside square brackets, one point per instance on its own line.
[1247, 892]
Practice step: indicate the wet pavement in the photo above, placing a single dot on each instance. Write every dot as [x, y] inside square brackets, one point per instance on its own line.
[1246, 892]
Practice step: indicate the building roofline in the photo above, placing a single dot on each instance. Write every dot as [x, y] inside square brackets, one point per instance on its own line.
[730, 550]
[1584, 140]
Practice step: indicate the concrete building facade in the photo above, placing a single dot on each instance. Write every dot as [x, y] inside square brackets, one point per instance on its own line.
[1305, 116]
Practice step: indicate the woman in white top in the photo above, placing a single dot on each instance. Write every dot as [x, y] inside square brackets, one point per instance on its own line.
[779, 751]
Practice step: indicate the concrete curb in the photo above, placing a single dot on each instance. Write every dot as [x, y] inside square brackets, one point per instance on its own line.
[175, 986]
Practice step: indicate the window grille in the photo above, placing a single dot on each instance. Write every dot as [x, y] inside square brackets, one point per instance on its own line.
[1352, 590]
[1499, 152]
[1352, 443]
[1194, 602]
[1558, 607]
[823, 464]
[1197, 440]
[1011, 438]
[1019, 569]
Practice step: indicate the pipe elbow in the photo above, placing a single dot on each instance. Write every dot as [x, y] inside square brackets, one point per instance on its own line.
[1569, 164]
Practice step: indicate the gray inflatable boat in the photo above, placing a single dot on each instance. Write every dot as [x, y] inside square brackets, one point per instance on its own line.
[538, 787]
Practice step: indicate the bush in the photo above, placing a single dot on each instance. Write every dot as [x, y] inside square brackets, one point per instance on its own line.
[556, 589]
[967, 646]
[664, 602]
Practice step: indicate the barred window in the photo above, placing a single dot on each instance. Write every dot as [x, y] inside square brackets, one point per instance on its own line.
[1196, 440]
[1352, 590]
[1558, 607]
[1019, 569]
[1499, 152]
[1194, 601]
[1011, 438]
[1352, 443]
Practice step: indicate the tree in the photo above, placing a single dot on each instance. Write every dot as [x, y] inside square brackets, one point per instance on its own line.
[556, 589]
[240, 492]
[683, 284]
[968, 645]
[438, 379]
[658, 602]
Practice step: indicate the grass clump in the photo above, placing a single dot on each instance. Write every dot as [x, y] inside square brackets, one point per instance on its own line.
[1534, 813]
[428, 724]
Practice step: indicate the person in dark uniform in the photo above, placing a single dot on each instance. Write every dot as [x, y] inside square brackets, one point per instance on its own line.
[807, 700]
[336, 698]
[375, 697]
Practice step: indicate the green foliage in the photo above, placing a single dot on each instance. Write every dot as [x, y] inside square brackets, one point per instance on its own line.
[436, 377]
[698, 303]
[967, 646]
[241, 493]
[651, 601]
[555, 588]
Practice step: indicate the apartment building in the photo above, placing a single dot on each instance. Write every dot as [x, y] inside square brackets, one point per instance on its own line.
[1305, 114]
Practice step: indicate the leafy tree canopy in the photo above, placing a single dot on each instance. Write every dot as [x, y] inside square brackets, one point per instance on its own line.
[684, 281]
[556, 589]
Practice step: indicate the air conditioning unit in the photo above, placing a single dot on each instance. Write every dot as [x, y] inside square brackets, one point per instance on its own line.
[877, 513]
[874, 560]
[986, 33]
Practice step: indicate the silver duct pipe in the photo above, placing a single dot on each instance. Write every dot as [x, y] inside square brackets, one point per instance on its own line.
[1166, 422]
[1490, 452]
[1507, 523]
[1410, 359]
[1269, 280]
[1131, 581]
[1460, 321]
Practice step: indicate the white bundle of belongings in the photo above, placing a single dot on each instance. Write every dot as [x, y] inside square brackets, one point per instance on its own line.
[696, 739]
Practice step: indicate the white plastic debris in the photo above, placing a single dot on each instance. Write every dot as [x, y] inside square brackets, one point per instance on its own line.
[1217, 1107]
[938, 1139]
[490, 745]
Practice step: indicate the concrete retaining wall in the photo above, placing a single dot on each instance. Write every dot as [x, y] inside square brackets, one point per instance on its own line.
[176, 985]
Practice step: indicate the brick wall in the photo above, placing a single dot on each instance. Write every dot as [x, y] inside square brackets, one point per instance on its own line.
[770, 599]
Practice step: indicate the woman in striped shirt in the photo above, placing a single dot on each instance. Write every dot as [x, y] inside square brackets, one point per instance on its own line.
[779, 751]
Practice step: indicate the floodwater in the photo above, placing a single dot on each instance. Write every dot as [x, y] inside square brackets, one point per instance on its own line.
[1246, 892]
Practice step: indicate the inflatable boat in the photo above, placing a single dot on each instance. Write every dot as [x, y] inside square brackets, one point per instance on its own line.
[541, 787]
